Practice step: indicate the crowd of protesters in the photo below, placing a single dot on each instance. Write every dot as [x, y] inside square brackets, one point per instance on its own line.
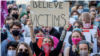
[17, 23]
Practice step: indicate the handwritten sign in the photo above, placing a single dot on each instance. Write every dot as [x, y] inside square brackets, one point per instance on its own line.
[54, 14]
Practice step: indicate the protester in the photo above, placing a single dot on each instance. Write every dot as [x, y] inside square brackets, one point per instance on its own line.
[86, 19]
[80, 9]
[93, 12]
[23, 18]
[14, 13]
[77, 25]
[28, 10]
[23, 49]
[9, 7]
[39, 34]
[8, 22]
[76, 38]
[74, 17]
[47, 44]
[15, 28]
[11, 48]
[83, 48]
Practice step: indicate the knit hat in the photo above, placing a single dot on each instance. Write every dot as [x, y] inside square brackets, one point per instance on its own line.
[23, 15]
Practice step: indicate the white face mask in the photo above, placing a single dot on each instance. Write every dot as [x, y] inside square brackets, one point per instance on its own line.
[84, 53]
[11, 53]
[80, 11]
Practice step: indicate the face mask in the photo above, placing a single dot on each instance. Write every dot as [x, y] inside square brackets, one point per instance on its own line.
[9, 10]
[11, 53]
[84, 53]
[15, 32]
[87, 25]
[28, 12]
[47, 48]
[75, 17]
[80, 11]
[7, 26]
[23, 54]
[77, 29]
[24, 21]
[15, 16]
[76, 40]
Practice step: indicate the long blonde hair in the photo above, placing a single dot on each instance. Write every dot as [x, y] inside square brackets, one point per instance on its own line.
[26, 45]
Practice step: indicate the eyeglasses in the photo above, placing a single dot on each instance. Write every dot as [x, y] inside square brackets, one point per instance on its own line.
[23, 50]
[76, 26]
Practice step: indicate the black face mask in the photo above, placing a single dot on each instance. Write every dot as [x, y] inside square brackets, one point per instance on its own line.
[15, 32]
[9, 10]
[15, 16]
[7, 26]
[28, 12]
[23, 54]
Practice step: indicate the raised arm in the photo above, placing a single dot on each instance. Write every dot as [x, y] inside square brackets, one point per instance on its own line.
[63, 35]
[32, 35]
[59, 45]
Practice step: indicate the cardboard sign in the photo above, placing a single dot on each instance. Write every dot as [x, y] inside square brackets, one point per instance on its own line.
[54, 14]
[93, 31]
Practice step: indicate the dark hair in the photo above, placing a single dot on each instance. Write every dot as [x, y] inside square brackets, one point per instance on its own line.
[14, 9]
[9, 18]
[79, 22]
[79, 6]
[49, 37]
[91, 3]
[13, 44]
[73, 12]
[16, 23]
[37, 30]
[77, 32]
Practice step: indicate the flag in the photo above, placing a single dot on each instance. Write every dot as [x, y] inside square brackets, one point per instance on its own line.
[3, 11]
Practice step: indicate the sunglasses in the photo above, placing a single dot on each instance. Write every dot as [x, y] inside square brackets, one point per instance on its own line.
[76, 26]
[25, 50]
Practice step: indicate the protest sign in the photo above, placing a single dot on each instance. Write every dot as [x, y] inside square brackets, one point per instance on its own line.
[54, 14]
